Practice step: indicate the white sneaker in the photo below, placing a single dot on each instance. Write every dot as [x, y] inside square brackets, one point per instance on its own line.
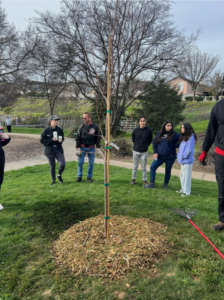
[1, 207]
[184, 194]
[179, 192]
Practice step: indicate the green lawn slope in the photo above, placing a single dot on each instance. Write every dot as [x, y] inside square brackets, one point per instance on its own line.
[35, 215]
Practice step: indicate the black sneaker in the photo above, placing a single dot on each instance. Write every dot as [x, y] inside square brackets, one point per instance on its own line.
[53, 182]
[150, 186]
[165, 186]
[79, 179]
[60, 178]
[89, 179]
[218, 227]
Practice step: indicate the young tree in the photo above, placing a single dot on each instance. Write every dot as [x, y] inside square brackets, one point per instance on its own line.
[143, 39]
[196, 66]
[161, 102]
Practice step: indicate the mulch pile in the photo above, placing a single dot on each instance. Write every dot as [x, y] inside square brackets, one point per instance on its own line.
[133, 244]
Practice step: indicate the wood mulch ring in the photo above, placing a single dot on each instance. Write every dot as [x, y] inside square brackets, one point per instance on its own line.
[133, 244]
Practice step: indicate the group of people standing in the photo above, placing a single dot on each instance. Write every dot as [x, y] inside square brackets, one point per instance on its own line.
[165, 143]
[87, 138]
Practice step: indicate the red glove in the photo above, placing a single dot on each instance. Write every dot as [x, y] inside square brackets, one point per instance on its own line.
[202, 158]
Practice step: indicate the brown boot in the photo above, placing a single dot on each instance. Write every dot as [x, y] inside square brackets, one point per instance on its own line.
[132, 181]
[218, 227]
[145, 182]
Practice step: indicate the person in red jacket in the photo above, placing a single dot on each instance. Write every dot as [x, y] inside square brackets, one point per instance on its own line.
[215, 133]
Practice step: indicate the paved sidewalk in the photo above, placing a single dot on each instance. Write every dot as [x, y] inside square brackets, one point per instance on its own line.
[69, 149]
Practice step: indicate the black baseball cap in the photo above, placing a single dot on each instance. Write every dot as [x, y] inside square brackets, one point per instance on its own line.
[53, 117]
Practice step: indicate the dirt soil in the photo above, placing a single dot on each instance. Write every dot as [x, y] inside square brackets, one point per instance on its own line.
[22, 149]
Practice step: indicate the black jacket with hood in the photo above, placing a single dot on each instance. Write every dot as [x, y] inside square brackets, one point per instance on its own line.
[47, 140]
[215, 130]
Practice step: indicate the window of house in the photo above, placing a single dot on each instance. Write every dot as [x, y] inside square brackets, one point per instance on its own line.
[180, 86]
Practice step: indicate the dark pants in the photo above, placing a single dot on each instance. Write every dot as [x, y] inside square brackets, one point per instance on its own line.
[219, 171]
[168, 160]
[9, 128]
[61, 160]
[2, 166]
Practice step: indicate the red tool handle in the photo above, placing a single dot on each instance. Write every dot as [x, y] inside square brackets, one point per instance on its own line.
[217, 250]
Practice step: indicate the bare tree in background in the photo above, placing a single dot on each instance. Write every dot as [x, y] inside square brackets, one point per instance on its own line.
[53, 79]
[216, 83]
[196, 66]
[14, 48]
[143, 39]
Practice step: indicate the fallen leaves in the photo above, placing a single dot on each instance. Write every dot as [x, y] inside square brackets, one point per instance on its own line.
[133, 244]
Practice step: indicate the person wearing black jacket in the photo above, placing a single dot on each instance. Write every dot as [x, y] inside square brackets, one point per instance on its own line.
[4, 140]
[52, 137]
[141, 138]
[215, 133]
[87, 138]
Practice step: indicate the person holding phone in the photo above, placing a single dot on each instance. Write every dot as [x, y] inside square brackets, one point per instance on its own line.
[4, 140]
[52, 138]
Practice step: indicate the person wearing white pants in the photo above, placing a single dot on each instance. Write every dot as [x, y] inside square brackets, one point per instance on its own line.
[141, 138]
[185, 157]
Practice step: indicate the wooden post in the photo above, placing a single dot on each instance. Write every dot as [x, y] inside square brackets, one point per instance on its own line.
[107, 152]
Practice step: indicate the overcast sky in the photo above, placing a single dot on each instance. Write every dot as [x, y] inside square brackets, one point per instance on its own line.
[187, 15]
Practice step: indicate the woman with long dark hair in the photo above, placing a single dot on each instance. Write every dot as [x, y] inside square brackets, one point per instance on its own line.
[164, 147]
[185, 157]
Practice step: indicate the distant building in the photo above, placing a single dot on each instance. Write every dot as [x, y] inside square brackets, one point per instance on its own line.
[182, 85]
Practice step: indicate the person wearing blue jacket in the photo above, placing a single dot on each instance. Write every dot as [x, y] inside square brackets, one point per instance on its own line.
[185, 157]
[164, 146]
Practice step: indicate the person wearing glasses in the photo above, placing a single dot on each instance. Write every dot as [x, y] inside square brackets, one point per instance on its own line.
[86, 140]
[52, 137]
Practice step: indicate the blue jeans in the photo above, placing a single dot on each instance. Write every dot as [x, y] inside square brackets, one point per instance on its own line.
[169, 161]
[91, 156]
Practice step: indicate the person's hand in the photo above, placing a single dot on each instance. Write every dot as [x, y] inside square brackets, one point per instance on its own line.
[78, 152]
[55, 139]
[4, 136]
[99, 152]
[60, 141]
[155, 155]
[202, 158]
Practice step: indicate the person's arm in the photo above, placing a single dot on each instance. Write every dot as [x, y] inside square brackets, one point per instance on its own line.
[150, 136]
[177, 144]
[97, 138]
[6, 138]
[155, 145]
[78, 138]
[210, 133]
[61, 134]
[44, 139]
[189, 148]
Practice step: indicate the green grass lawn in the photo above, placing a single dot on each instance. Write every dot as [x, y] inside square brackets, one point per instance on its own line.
[35, 214]
[33, 130]
[199, 127]
[200, 104]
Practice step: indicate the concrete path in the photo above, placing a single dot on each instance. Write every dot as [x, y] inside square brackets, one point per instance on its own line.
[69, 149]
